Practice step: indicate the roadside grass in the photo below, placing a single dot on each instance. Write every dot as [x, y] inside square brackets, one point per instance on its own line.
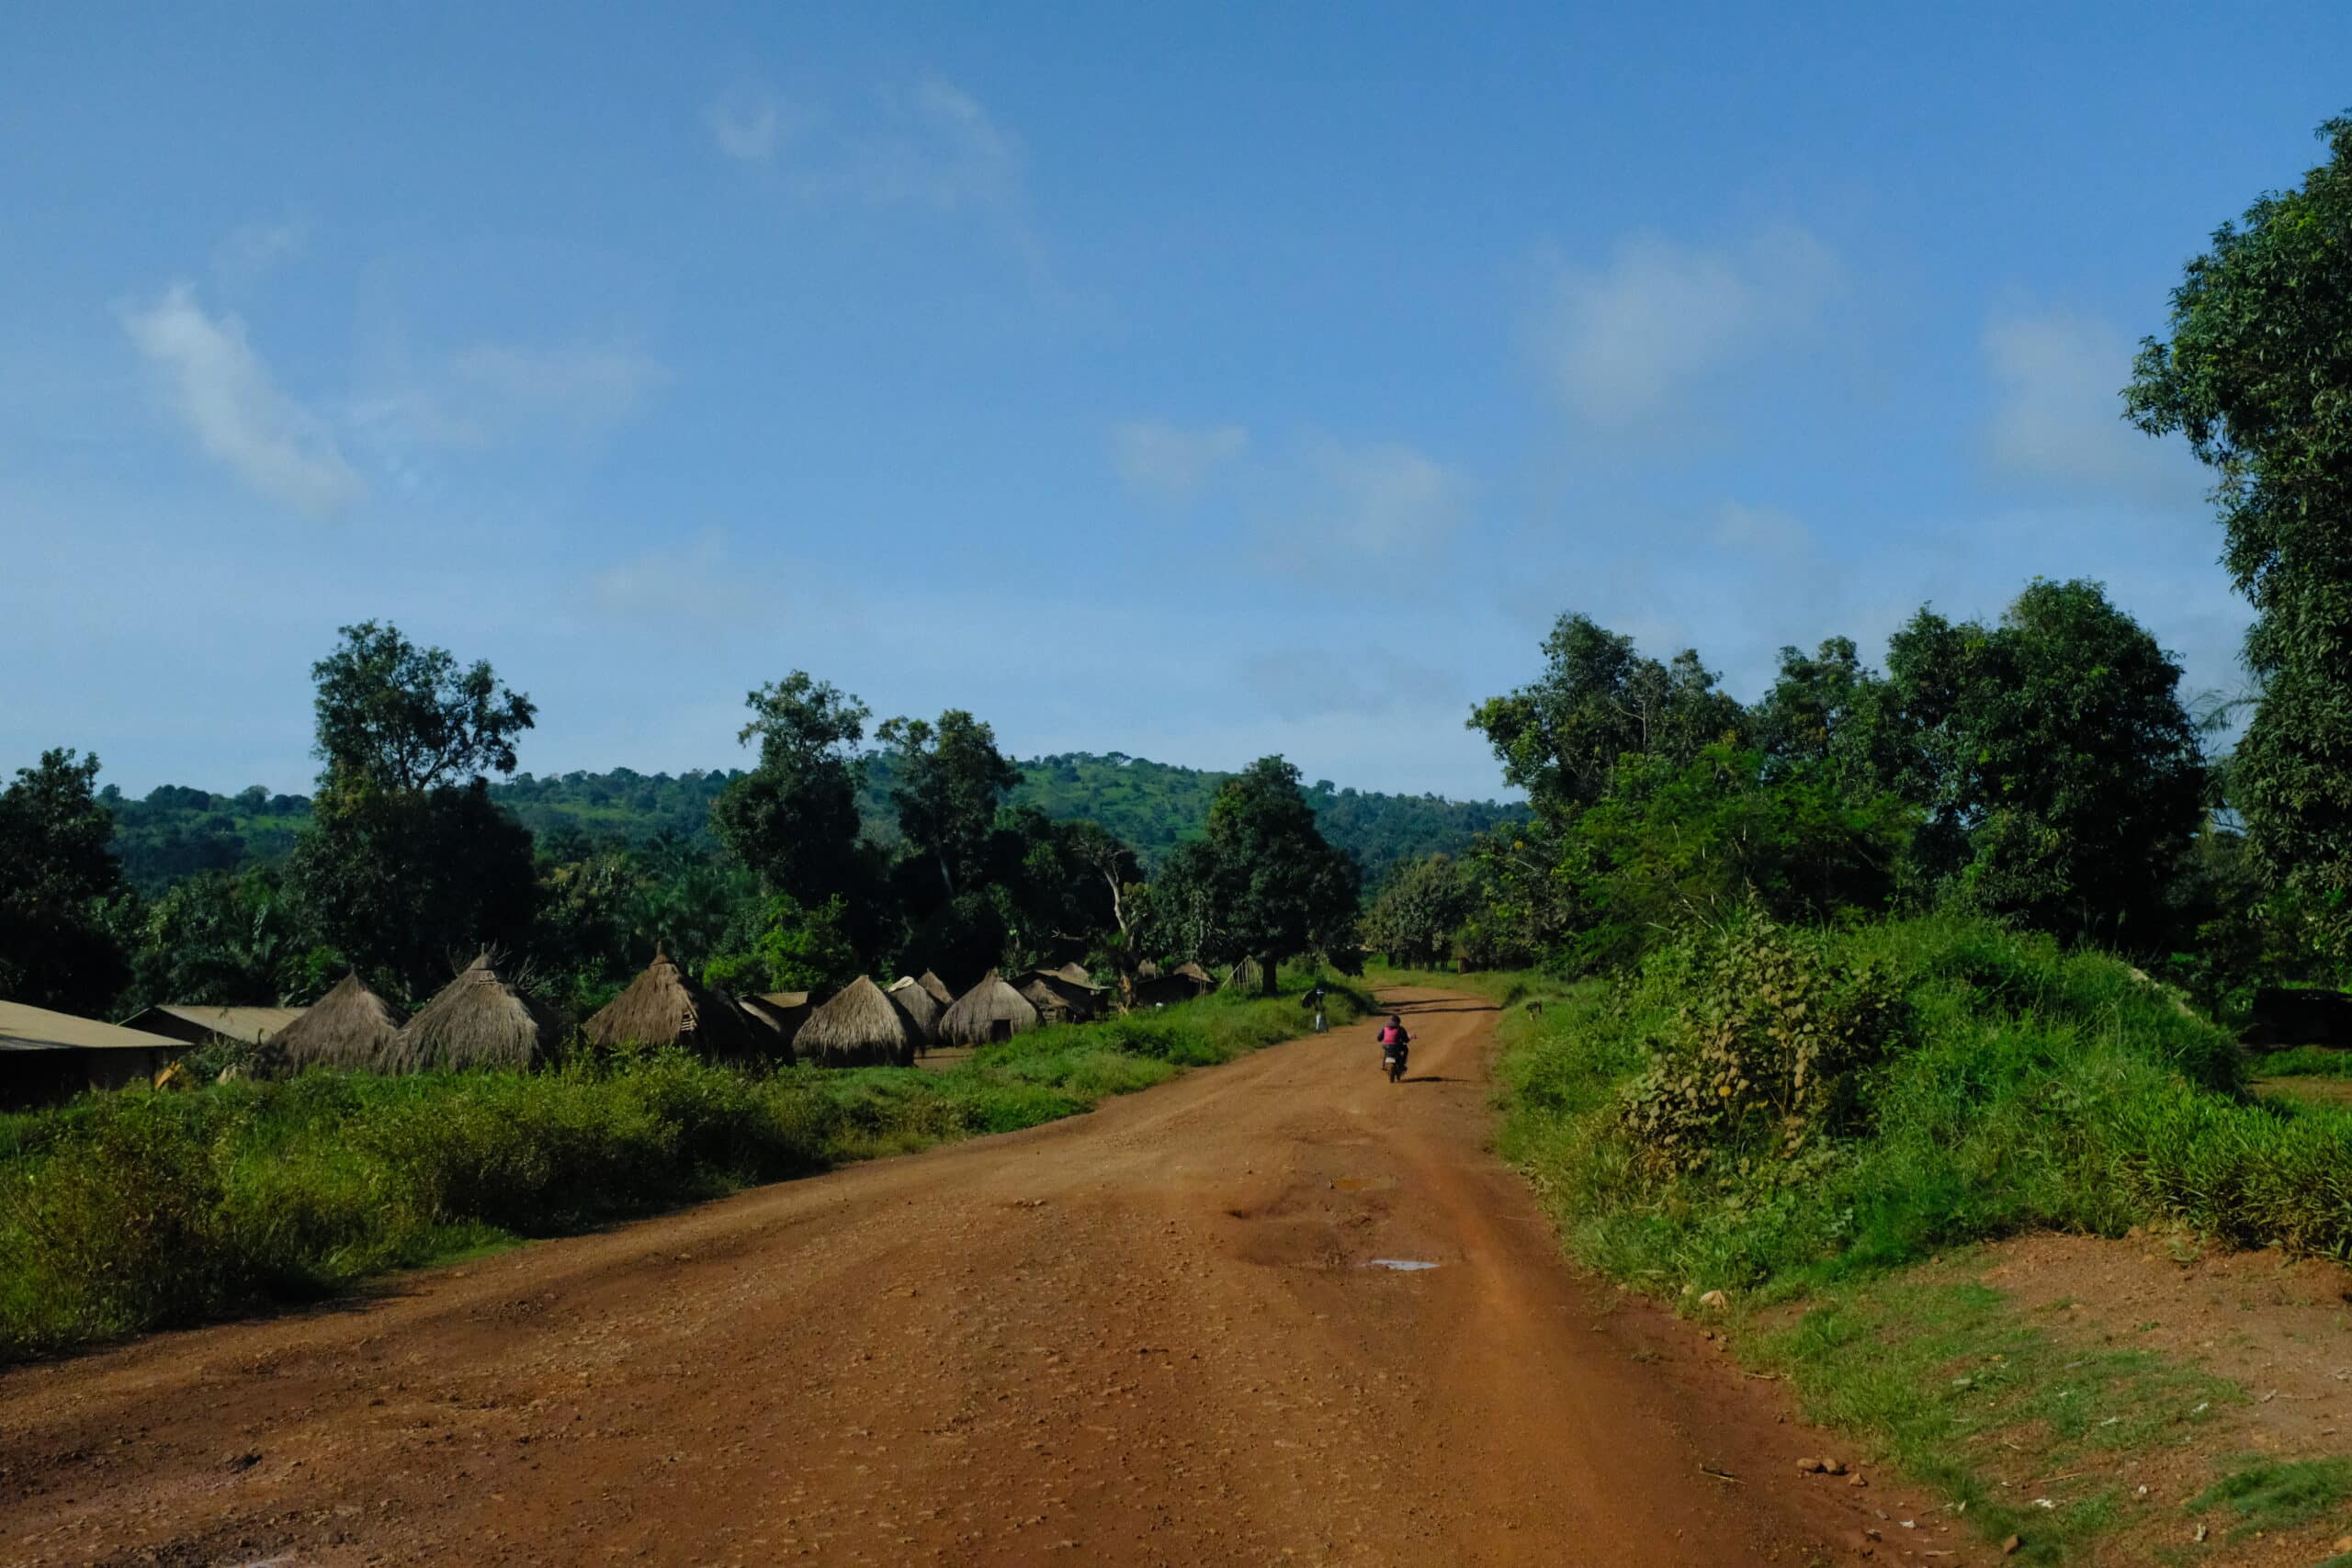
[2304, 1060]
[2025, 1087]
[142, 1209]
[1970, 1395]
[2276, 1495]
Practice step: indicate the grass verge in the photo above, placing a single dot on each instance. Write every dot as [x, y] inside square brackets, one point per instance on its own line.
[142, 1209]
[2008, 1086]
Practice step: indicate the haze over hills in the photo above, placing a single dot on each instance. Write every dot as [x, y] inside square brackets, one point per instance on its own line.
[176, 831]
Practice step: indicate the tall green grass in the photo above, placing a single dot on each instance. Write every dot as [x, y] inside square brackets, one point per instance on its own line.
[140, 1209]
[2030, 1087]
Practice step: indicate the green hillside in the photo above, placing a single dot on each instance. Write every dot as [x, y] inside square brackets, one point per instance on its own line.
[178, 831]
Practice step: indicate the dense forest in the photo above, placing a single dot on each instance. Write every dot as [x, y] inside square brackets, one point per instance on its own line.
[173, 832]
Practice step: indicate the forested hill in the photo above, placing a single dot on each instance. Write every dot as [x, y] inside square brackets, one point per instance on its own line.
[176, 831]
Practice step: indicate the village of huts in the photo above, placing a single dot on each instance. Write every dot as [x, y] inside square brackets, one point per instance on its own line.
[487, 1019]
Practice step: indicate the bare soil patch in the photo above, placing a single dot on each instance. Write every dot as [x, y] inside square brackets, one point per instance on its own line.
[2280, 1329]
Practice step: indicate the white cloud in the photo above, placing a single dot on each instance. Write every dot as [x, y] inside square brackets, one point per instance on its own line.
[2058, 411]
[253, 249]
[1620, 343]
[221, 391]
[1169, 461]
[1386, 498]
[588, 385]
[957, 154]
[748, 125]
[933, 146]
[414, 417]
[694, 590]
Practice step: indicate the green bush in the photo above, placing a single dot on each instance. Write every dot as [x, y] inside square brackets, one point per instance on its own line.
[2026, 1087]
[1765, 1054]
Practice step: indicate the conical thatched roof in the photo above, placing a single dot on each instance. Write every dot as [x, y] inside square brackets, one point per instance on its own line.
[775, 1017]
[859, 1028]
[989, 1010]
[1072, 974]
[923, 1009]
[475, 1021]
[1192, 970]
[938, 989]
[666, 1006]
[351, 1026]
[1055, 1000]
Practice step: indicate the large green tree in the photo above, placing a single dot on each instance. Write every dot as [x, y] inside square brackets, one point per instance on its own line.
[1598, 700]
[58, 877]
[407, 864]
[1262, 884]
[794, 818]
[1414, 916]
[2061, 778]
[948, 780]
[2256, 371]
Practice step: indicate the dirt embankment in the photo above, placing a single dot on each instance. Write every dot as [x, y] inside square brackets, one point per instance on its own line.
[1159, 1333]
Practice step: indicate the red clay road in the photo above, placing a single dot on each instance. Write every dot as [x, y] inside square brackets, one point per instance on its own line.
[1147, 1334]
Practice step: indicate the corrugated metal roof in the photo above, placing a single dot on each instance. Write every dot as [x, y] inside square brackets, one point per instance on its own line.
[24, 1027]
[251, 1025]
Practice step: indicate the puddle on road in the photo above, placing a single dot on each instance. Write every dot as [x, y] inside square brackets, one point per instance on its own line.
[1401, 1265]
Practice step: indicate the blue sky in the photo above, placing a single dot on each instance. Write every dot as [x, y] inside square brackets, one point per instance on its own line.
[1196, 383]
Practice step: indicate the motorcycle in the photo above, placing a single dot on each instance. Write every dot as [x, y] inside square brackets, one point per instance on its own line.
[1393, 1058]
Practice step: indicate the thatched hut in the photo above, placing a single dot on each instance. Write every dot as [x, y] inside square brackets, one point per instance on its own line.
[476, 1021]
[860, 1027]
[351, 1026]
[775, 1017]
[1055, 1000]
[923, 1009]
[666, 1006]
[989, 1010]
[937, 987]
[1072, 974]
[1166, 990]
[1190, 970]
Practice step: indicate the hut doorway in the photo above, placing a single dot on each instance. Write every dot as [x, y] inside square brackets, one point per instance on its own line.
[1000, 1029]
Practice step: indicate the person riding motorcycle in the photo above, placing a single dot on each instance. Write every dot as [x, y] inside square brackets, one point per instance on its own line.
[1394, 1041]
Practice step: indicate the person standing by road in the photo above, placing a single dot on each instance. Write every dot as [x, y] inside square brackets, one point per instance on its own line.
[1314, 1000]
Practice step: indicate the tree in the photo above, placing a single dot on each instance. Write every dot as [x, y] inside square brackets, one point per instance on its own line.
[2255, 374]
[407, 718]
[1262, 884]
[798, 949]
[58, 878]
[407, 864]
[2061, 778]
[1598, 700]
[948, 782]
[1697, 841]
[1415, 914]
[794, 818]
[1823, 711]
[230, 940]
[411, 883]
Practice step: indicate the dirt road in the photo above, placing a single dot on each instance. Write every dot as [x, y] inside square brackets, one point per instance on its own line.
[1154, 1334]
